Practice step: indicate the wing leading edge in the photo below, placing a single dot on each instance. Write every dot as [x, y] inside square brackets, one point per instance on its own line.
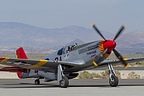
[129, 60]
[35, 64]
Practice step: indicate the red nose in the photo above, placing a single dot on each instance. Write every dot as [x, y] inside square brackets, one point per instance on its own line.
[110, 45]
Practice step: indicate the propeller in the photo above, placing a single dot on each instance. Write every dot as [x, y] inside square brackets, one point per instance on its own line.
[111, 44]
[120, 57]
[97, 30]
[119, 32]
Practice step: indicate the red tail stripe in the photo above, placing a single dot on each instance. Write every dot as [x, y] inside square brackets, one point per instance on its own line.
[21, 53]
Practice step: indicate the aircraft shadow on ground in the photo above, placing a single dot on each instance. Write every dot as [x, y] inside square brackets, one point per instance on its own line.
[28, 85]
[31, 85]
[73, 83]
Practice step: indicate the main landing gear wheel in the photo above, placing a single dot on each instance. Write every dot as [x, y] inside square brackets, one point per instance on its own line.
[64, 82]
[37, 82]
[113, 81]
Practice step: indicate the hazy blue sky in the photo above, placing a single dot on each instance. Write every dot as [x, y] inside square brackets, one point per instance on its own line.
[108, 15]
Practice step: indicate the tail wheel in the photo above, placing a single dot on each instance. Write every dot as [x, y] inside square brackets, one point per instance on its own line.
[37, 82]
[113, 81]
[64, 82]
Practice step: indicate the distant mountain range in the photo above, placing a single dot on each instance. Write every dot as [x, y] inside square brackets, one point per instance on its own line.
[15, 34]
[132, 42]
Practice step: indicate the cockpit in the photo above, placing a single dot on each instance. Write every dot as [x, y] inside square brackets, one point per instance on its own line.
[66, 49]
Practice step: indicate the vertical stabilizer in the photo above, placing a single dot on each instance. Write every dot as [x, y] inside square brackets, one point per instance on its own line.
[20, 53]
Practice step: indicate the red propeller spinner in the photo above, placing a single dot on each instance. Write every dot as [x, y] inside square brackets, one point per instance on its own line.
[111, 44]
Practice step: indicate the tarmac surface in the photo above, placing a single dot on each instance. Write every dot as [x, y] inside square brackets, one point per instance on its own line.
[98, 87]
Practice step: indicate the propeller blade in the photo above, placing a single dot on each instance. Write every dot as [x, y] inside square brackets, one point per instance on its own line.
[97, 30]
[119, 56]
[119, 32]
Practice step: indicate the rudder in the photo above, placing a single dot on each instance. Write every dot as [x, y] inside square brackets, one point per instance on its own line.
[20, 53]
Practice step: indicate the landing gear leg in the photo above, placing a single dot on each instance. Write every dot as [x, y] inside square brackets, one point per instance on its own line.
[113, 80]
[37, 82]
[61, 78]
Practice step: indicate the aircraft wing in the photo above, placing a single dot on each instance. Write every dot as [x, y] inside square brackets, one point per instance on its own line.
[35, 64]
[128, 60]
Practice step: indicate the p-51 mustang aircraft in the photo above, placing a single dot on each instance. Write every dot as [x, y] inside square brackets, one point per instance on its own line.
[64, 64]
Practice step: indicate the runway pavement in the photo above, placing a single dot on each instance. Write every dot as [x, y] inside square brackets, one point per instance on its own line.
[26, 87]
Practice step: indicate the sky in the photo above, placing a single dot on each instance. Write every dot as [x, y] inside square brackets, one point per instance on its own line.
[108, 15]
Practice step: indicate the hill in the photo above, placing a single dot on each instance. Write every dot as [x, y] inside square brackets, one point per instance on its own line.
[15, 34]
[132, 42]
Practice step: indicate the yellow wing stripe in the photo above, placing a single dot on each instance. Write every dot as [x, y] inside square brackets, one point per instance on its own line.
[42, 62]
[4, 60]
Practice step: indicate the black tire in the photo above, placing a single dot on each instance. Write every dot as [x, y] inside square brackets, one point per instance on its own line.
[37, 82]
[64, 82]
[114, 82]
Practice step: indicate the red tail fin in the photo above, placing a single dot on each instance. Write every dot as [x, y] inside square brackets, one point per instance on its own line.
[20, 53]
